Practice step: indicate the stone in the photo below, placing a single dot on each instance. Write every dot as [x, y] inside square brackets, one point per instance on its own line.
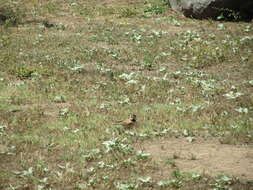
[223, 9]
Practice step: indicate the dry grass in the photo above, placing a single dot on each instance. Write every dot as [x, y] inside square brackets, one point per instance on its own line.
[63, 85]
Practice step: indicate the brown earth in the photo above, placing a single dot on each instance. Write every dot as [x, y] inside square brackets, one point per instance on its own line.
[202, 156]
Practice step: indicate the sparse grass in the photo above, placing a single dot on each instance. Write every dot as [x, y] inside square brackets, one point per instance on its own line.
[62, 88]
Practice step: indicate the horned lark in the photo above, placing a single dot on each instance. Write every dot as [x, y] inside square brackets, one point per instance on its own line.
[128, 123]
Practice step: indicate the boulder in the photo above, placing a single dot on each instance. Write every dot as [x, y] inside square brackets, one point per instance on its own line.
[202, 9]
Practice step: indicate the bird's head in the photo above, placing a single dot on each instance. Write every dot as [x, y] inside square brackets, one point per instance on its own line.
[133, 117]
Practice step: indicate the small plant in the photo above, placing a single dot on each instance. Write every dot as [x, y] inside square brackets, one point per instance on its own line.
[196, 176]
[129, 162]
[155, 8]
[177, 174]
[10, 15]
[127, 12]
[175, 183]
[173, 21]
[59, 99]
[142, 156]
[149, 61]
[222, 183]
[64, 112]
[126, 186]
[190, 139]
[2, 129]
[23, 72]
[145, 180]
[148, 64]
[117, 144]
[233, 95]
[171, 162]
[163, 184]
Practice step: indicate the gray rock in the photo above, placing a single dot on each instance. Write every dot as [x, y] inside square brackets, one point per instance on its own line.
[175, 5]
[202, 9]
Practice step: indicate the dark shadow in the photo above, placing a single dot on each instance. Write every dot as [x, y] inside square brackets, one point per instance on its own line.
[236, 11]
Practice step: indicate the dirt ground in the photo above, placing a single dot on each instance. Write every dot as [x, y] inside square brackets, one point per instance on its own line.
[202, 156]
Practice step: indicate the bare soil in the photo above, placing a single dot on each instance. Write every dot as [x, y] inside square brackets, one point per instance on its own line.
[202, 156]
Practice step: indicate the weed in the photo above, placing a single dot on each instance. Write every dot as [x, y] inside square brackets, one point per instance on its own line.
[23, 72]
[9, 16]
[127, 12]
[63, 88]
[171, 162]
[156, 8]
[222, 182]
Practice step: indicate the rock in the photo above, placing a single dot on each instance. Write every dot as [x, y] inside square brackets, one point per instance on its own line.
[227, 9]
[175, 5]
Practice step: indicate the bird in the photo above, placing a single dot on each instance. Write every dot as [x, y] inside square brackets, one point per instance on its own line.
[128, 123]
